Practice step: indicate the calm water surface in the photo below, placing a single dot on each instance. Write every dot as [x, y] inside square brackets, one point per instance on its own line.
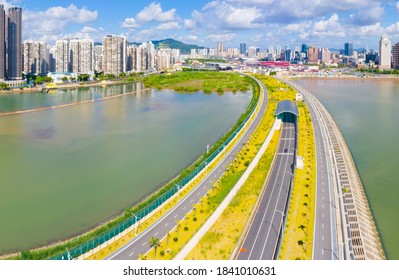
[65, 170]
[367, 113]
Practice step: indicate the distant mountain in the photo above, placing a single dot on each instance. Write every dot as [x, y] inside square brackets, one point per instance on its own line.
[173, 44]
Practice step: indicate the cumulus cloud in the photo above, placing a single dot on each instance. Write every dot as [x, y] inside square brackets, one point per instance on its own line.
[221, 37]
[218, 15]
[130, 23]
[368, 16]
[168, 26]
[50, 24]
[154, 12]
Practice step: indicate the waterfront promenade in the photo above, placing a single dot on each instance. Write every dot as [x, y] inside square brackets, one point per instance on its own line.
[353, 231]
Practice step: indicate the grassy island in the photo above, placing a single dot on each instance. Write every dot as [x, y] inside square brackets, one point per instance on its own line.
[207, 81]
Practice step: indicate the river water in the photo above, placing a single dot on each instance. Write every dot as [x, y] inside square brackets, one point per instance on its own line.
[367, 113]
[65, 170]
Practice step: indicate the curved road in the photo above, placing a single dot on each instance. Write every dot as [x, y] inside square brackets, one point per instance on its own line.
[262, 239]
[140, 244]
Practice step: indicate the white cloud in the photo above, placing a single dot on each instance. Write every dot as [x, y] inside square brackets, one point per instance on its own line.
[368, 16]
[221, 15]
[154, 12]
[130, 23]
[168, 26]
[49, 25]
[88, 29]
[221, 37]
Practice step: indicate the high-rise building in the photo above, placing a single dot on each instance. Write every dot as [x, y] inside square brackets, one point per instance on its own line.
[35, 57]
[150, 56]
[313, 55]
[62, 56]
[220, 49]
[395, 56]
[385, 53]
[131, 58]
[14, 43]
[114, 54]
[163, 59]
[2, 42]
[243, 48]
[348, 49]
[52, 58]
[81, 55]
[98, 58]
[141, 62]
[252, 52]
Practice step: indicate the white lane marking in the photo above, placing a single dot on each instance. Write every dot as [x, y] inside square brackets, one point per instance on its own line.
[198, 194]
[166, 224]
[322, 215]
[322, 237]
[175, 216]
[322, 226]
[184, 208]
[143, 244]
[192, 200]
[156, 234]
[131, 254]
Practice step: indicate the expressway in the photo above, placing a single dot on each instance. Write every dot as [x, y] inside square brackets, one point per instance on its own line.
[140, 244]
[262, 238]
[324, 224]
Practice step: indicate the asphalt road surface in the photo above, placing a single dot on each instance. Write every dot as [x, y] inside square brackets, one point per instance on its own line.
[262, 238]
[167, 223]
[322, 239]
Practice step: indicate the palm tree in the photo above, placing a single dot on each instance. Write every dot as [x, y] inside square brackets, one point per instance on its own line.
[301, 243]
[167, 237]
[154, 243]
[187, 218]
[177, 226]
[194, 209]
[142, 257]
[302, 227]
[305, 204]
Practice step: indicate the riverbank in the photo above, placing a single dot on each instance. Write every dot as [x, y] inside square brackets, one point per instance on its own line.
[128, 215]
[71, 86]
[356, 229]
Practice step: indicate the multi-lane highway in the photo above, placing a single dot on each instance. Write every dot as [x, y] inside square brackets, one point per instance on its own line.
[262, 238]
[323, 248]
[140, 244]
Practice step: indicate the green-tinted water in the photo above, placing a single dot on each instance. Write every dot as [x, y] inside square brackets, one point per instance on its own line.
[65, 170]
[366, 112]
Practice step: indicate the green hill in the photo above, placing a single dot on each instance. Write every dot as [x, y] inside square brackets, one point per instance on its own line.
[173, 44]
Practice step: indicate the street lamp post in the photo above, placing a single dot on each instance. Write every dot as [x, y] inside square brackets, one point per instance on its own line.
[136, 219]
[178, 192]
[324, 249]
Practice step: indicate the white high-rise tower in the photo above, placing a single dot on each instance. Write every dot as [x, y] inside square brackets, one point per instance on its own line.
[385, 52]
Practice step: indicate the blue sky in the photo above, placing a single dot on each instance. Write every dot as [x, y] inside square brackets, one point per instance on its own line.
[260, 23]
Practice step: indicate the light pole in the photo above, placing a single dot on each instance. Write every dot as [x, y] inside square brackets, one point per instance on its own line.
[69, 254]
[324, 249]
[136, 219]
[178, 192]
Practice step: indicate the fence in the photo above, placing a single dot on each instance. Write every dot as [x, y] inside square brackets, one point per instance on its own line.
[104, 237]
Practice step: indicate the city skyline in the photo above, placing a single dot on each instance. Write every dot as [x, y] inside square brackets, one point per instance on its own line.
[254, 22]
